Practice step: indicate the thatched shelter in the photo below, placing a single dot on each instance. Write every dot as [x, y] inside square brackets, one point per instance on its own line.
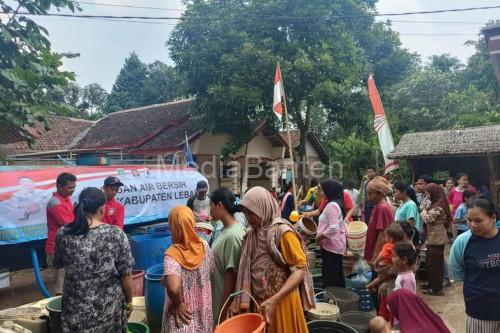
[475, 151]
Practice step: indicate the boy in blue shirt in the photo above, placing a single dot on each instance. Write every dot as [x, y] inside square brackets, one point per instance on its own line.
[461, 213]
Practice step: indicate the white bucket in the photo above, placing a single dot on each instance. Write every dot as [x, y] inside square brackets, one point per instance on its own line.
[325, 310]
[356, 235]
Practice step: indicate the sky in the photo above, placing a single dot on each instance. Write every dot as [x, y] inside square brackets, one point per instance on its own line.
[104, 45]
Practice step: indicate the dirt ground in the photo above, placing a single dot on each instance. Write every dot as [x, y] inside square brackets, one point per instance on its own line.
[24, 290]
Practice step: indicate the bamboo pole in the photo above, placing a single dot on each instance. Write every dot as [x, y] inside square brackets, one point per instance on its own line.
[287, 126]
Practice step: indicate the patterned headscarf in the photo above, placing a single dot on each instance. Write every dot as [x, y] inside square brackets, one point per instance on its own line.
[260, 249]
[187, 248]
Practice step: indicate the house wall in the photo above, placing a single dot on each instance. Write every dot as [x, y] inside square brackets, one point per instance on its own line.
[208, 144]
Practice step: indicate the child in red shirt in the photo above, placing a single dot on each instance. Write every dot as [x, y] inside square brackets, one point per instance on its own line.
[383, 264]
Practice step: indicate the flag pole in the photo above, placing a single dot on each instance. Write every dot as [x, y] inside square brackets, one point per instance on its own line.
[290, 147]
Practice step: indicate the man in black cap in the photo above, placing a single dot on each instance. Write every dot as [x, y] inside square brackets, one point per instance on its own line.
[200, 203]
[114, 212]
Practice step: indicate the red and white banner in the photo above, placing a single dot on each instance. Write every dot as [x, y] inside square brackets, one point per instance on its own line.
[149, 194]
[381, 126]
[278, 94]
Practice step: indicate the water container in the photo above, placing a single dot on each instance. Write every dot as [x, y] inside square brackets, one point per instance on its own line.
[357, 319]
[29, 317]
[54, 308]
[133, 327]
[138, 282]
[148, 249]
[154, 294]
[4, 278]
[326, 326]
[348, 300]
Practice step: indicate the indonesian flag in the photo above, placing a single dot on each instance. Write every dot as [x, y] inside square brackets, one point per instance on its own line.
[278, 93]
[381, 126]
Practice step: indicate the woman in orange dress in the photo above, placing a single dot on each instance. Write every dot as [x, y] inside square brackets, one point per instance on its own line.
[273, 266]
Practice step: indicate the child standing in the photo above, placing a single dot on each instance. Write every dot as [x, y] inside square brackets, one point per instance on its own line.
[393, 234]
[460, 218]
[404, 258]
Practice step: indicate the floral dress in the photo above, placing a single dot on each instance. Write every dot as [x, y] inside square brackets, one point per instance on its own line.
[196, 293]
[93, 299]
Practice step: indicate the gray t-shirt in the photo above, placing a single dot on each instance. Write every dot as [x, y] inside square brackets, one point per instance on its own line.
[201, 209]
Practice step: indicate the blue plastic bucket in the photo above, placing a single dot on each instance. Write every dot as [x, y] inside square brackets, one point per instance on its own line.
[154, 296]
[149, 249]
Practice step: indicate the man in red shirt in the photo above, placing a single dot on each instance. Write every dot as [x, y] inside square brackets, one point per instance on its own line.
[114, 212]
[59, 213]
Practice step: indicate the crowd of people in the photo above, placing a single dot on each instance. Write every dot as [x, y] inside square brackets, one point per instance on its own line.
[254, 247]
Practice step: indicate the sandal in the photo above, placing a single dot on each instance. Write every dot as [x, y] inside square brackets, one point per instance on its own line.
[424, 285]
[432, 292]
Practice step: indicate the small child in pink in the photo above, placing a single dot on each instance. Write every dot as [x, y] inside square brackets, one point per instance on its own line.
[404, 258]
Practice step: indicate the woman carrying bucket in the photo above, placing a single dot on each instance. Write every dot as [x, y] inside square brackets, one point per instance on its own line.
[273, 266]
[188, 263]
[331, 235]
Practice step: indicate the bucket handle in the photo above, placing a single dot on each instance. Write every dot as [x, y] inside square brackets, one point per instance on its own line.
[328, 294]
[236, 293]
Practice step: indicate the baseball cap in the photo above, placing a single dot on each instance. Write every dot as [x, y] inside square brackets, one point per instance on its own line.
[202, 186]
[112, 181]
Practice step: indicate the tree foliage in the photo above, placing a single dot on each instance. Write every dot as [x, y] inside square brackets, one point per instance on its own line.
[126, 91]
[229, 63]
[140, 84]
[30, 74]
[162, 84]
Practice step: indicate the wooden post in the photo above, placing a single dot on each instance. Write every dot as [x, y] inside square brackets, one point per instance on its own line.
[287, 126]
[493, 177]
[413, 175]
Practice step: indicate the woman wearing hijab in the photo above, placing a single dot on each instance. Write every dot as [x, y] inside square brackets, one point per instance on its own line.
[273, 266]
[188, 263]
[413, 314]
[331, 235]
[436, 217]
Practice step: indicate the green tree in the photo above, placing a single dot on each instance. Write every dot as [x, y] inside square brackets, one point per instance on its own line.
[162, 84]
[229, 63]
[30, 74]
[479, 70]
[445, 63]
[126, 91]
[94, 98]
[72, 95]
[417, 101]
[354, 154]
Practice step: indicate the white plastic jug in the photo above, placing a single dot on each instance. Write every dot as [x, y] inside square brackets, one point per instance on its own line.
[11, 327]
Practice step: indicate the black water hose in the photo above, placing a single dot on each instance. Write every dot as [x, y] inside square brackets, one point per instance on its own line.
[38, 275]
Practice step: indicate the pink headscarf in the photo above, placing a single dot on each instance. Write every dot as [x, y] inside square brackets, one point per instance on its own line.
[413, 314]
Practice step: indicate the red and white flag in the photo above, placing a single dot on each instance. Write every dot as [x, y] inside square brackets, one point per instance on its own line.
[278, 94]
[381, 126]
